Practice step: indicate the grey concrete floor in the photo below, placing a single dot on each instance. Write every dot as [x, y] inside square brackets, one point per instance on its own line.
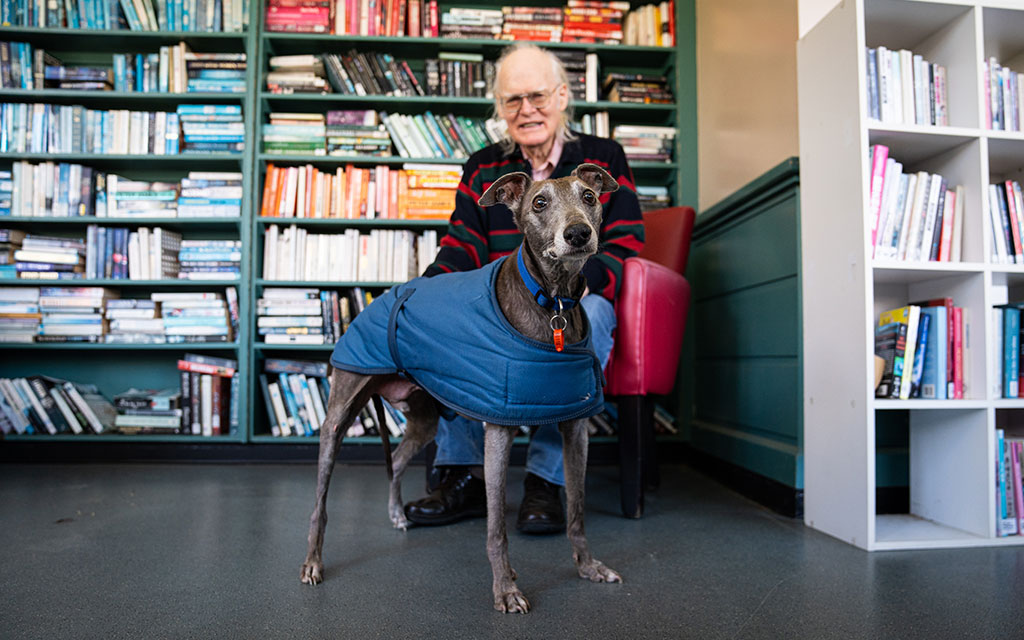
[213, 551]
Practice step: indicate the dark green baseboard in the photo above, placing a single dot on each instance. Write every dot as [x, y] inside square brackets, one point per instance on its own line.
[783, 499]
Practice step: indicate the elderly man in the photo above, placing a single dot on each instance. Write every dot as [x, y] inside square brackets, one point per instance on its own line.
[531, 94]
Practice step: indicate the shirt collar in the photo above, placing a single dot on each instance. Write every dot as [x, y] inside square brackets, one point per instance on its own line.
[544, 171]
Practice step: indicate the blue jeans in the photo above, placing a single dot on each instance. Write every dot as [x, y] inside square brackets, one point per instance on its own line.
[461, 441]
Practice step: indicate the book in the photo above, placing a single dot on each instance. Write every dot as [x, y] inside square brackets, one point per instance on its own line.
[936, 349]
[903, 364]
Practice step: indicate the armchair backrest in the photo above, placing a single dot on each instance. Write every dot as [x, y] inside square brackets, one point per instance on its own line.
[667, 233]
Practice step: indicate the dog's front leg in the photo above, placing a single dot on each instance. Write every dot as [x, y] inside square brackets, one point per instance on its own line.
[497, 446]
[574, 456]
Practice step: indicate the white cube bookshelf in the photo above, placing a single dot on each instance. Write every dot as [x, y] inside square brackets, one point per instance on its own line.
[952, 460]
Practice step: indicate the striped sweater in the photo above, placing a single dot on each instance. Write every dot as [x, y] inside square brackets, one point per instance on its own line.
[477, 236]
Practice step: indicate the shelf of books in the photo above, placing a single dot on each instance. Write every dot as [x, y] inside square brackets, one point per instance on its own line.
[125, 156]
[912, 235]
[364, 120]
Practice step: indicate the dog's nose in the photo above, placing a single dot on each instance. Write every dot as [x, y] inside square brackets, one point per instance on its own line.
[577, 235]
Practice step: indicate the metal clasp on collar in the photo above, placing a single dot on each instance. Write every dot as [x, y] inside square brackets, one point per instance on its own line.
[558, 324]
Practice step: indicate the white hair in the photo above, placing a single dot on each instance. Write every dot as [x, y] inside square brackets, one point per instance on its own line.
[557, 72]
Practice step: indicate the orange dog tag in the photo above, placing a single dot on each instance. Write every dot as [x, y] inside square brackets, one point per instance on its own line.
[558, 324]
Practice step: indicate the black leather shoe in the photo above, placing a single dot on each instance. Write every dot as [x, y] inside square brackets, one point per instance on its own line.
[541, 509]
[461, 495]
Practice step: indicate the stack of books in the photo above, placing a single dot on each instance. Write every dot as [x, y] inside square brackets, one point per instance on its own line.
[653, 197]
[139, 72]
[596, 124]
[295, 134]
[303, 73]
[542, 24]
[916, 216]
[140, 15]
[426, 191]
[50, 258]
[308, 16]
[211, 194]
[119, 197]
[437, 136]
[458, 22]
[1004, 109]
[1009, 452]
[120, 253]
[414, 18]
[371, 73]
[383, 255]
[211, 128]
[594, 22]
[6, 192]
[40, 405]
[25, 70]
[73, 314]
[297, 316]
[904, 88]
[52, 128]
[195, 316]
[459, 74]
[637, 88]
[1006, 208]
[209, 395]
[106, 253]
[215, 72]
[134, 321]
[10, 242]
[142, 411]
[19, 314]
[210, 259]
[646, 143]
[60, 76]
[357, 133]
[923, 345]
[575, 63]
[652, 25]
[50, 189]
[295, 394]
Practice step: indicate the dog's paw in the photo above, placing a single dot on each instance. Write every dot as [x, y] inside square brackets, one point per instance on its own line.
[512, 601]
[596, 572]
[397, 516]
[312, 573]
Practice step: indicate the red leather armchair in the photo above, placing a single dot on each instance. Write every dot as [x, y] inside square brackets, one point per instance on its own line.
[651, 313]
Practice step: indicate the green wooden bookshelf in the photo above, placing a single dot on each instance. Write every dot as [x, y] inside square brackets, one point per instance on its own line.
[116, 367]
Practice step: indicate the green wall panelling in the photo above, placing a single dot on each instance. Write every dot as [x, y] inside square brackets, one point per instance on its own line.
[755, 322]
[744, 353]
[753, 394]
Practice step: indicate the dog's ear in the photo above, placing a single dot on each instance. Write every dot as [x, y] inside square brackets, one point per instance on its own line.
[508, 190]
[596, 177]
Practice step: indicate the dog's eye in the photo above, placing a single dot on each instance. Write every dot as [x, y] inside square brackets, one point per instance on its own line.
[589, 197]
[540, 202]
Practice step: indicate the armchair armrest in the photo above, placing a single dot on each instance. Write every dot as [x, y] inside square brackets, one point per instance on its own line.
[651, 313]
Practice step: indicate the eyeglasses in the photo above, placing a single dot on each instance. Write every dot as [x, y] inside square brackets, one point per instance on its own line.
[539, 100]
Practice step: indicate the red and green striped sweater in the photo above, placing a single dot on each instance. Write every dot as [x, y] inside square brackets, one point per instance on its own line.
[477, 236]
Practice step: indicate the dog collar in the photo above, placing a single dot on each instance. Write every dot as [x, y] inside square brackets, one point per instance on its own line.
[542, 298]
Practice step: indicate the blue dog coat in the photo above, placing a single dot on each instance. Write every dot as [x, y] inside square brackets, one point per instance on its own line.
[448, 335]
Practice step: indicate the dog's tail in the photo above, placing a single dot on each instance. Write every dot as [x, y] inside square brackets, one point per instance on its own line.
[383, 429]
